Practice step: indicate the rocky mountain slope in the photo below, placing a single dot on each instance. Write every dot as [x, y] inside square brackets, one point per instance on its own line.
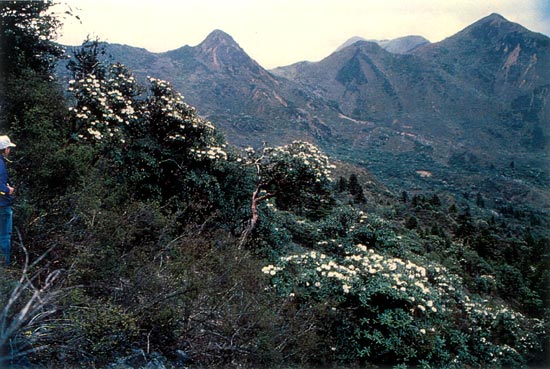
[483, 86]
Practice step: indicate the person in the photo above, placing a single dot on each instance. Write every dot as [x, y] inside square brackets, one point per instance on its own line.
[6, 200]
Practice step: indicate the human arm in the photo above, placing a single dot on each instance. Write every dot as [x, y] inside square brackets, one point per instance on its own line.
[5, 188]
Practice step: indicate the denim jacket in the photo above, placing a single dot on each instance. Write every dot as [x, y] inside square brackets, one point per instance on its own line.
[5, 198]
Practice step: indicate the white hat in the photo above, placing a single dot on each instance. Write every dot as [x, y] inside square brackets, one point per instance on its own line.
[5, 142]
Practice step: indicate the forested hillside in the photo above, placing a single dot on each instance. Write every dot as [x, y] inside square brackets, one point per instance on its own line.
[144, 240]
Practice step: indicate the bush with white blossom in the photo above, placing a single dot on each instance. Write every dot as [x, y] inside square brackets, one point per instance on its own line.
[105, 106]
[292, 176]
[176, 124]
[298, 161]
[111, 110]
[149, 134]
[409, 310]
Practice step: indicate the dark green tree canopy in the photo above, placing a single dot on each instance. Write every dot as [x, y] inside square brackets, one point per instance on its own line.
[27, 32]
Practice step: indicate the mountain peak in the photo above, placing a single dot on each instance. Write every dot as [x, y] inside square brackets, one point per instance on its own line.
[350, 42]
[219, 51]
[494, 20]
[218, 38]
[495, 16]
[494, 24]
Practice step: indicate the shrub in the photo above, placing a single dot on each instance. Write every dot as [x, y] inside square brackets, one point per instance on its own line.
[390, 310]
[96, 330]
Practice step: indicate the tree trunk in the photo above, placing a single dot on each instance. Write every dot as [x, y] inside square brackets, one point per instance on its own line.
[256, 199]
[253, 219]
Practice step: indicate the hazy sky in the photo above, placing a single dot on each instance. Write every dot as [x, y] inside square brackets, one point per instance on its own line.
[281, 32]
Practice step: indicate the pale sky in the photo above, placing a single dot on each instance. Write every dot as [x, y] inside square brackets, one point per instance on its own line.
[282, 32]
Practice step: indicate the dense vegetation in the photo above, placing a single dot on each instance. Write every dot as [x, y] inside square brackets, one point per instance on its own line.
[159, 245]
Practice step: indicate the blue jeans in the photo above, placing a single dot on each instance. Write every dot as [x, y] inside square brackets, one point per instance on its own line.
[6, 219]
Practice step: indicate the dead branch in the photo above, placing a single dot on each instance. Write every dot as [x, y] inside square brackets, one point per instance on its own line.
[28, 305]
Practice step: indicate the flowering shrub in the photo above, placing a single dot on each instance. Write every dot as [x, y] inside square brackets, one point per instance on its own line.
[401, 310]
[108, 107]
[294, 176]
[105, 106]
[174, 123]
[151, 137]
[298, 161]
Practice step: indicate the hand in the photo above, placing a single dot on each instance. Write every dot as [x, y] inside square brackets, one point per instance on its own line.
[11, 189]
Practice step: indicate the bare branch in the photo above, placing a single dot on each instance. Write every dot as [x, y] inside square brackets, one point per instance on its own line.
[35, 308]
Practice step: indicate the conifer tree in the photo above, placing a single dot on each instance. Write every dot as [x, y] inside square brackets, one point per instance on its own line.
[356, 190]
[342, 184]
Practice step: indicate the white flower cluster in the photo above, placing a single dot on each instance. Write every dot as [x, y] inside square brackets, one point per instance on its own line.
[182, 122]
[271, 269]
[102, 108]
[311, 156]
[428, 292]
[325, 266]
[171, 101]
[487, 314]
[407, 278]
[212, 153]
[429, 288]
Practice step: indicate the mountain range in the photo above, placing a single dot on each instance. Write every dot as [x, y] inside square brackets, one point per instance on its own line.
[401, 45]
[475, 103]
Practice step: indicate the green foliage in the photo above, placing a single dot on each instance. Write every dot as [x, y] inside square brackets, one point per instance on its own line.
[295, 177]
[293, 174]
[392, 310]
[37, 118]
[28, 29]
[27, 57]
[100, 329]
[356, 190]
[412, 222]
[87, 60]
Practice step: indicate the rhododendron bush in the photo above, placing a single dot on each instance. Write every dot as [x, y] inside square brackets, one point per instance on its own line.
[111, 111]
[175, 123]
[398, 309]
[105, 106]
[290, 175]
[146, 134]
